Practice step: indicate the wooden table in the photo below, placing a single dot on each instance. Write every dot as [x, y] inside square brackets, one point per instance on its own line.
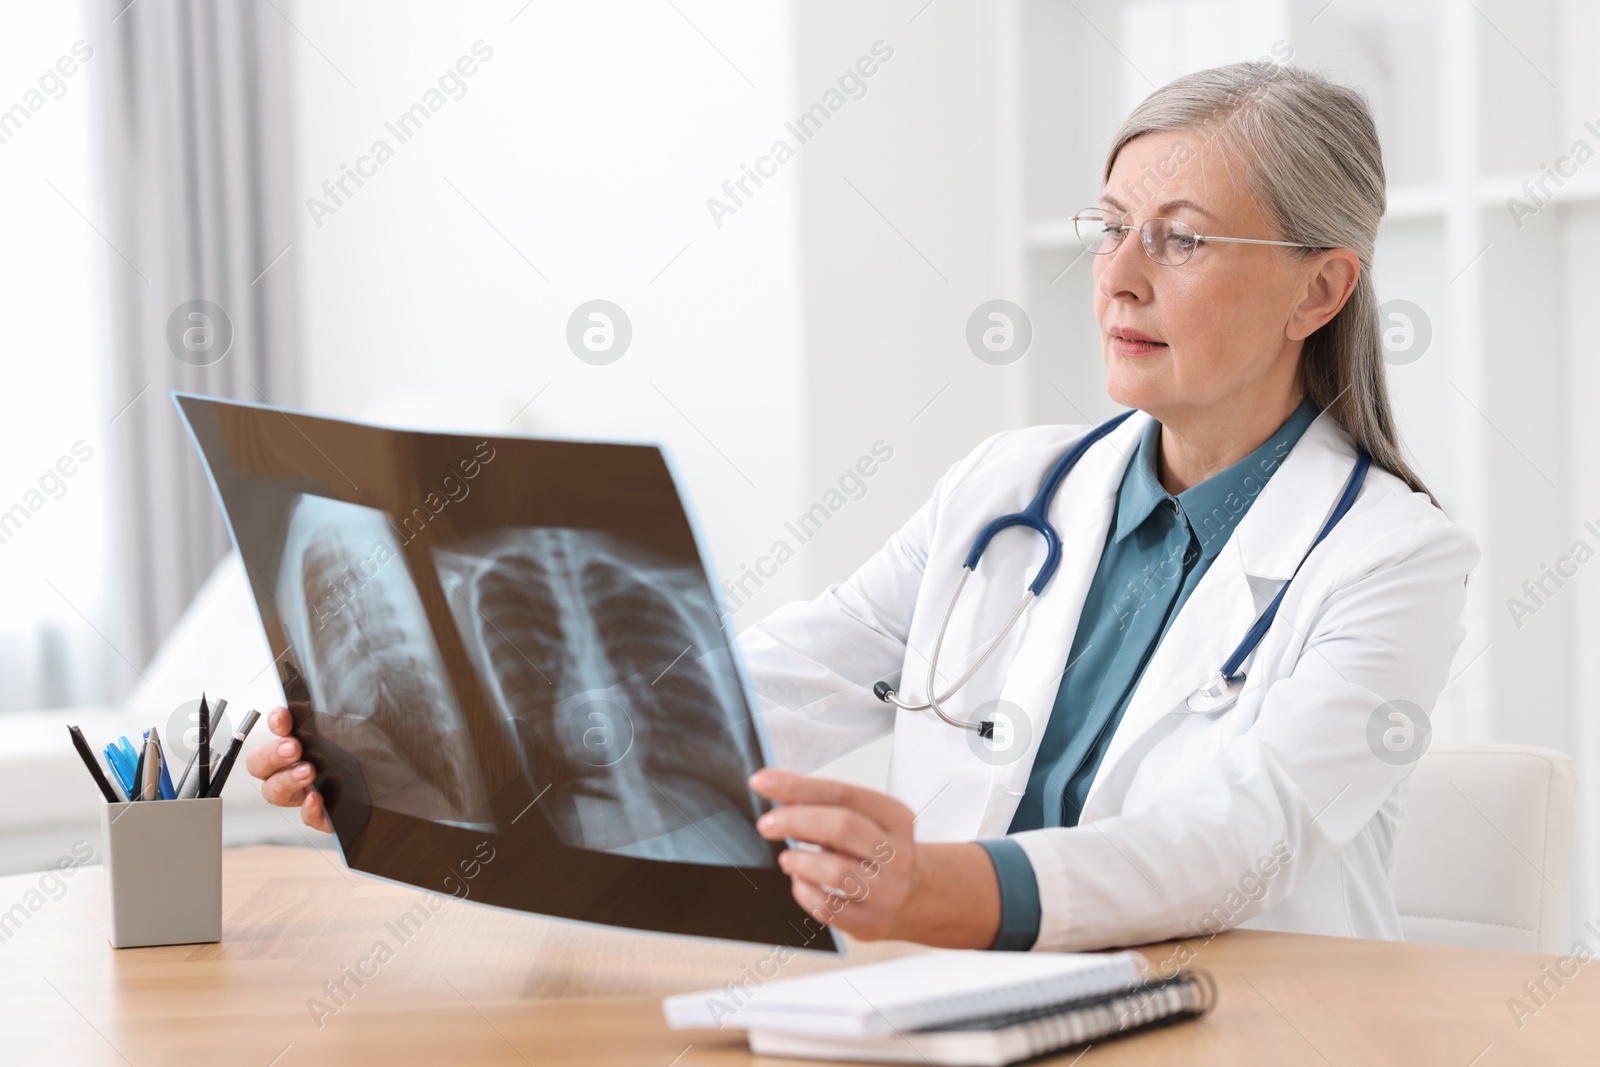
[475, 985]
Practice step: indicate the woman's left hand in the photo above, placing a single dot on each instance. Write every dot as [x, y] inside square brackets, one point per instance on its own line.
[945, 895]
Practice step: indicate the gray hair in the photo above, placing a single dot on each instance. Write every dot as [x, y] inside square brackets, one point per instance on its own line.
[1313, 162]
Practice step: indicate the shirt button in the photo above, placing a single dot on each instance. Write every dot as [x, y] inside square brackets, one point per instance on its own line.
[1174, 504]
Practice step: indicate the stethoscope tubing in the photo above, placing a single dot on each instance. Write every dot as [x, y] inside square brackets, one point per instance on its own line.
[1036, 515]
[1352, 487]
[934, 700]
[1220, 690]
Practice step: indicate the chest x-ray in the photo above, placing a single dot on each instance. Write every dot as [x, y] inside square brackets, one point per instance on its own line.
[506, 647]
[623, 713]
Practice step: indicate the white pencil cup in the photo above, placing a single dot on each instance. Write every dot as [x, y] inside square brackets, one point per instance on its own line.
[164, 871]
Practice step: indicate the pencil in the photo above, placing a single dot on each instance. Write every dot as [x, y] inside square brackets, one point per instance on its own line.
[204, 769]
[94, 766]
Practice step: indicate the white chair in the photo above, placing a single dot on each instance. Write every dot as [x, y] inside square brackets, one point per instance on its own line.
[1484, 850]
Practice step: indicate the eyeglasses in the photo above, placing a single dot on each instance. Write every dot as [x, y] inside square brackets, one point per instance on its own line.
[1167, 241]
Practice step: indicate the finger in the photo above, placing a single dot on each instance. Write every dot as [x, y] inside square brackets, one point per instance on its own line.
[287, 788]
[850, 876]
[280, 722]
[313, 813]
[817, 902]
[786, 787]
[283, 794]
[836, 829]
[832, 910]
[263, 761]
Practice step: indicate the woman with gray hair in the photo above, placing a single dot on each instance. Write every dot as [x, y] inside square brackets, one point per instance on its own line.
[1139, 793]
[1238, 602]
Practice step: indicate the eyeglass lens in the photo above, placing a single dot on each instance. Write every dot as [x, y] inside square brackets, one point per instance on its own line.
[1166, 241]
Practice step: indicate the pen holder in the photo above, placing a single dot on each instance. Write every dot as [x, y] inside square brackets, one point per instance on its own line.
[164, 868]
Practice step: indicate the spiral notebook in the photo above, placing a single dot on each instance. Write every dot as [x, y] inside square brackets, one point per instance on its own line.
[929, 990]
[1009, 1037]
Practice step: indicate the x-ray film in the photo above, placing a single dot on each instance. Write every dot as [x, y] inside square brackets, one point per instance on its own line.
[507, 667]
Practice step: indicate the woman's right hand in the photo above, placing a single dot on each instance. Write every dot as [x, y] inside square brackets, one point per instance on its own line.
[285, 777]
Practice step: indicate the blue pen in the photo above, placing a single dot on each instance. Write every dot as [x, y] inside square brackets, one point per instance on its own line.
[119, 767]
[117, 755]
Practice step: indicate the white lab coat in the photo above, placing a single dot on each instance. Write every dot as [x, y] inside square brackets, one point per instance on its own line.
[1187, 809]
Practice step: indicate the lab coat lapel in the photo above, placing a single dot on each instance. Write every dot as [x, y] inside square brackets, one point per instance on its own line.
[1264, 549]
[1297, 500]
[1081, 511]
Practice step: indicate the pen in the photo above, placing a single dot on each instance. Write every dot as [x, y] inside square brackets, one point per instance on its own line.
[150, 784]
[166, 791]
[121, 768]
[205, 746]
[187, 783]
[233, 753]
[138, 773]
[94, 767]
[115, 779]
[151, 789]
[189, 788]
[130, 755]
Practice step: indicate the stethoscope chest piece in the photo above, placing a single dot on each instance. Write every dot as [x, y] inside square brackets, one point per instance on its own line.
[1217, 692]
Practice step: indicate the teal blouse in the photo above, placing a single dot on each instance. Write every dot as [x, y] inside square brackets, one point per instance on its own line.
[1157, 549]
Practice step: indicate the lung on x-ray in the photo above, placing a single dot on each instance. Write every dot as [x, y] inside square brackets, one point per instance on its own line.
[348, 602]
[508, 668]
[620, 721]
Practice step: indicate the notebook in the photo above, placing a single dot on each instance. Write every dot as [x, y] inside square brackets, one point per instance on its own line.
[941, 988]
[1012, 1036]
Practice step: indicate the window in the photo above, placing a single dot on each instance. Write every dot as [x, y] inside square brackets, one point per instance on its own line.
[53, 426]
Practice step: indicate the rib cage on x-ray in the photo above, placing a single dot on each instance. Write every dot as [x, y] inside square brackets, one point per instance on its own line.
[352, 610]
[609, 672]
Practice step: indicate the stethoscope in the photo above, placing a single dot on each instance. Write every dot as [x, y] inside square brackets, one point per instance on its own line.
[1219, 690]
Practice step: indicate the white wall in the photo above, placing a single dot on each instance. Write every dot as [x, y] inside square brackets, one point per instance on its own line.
[898, 247]
[589, 143]
[1580, 393]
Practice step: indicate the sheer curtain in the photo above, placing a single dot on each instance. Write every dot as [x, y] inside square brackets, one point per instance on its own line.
[197, 155]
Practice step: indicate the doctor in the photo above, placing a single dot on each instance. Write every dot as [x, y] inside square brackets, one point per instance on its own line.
[1107, 810]
[1126, 764]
